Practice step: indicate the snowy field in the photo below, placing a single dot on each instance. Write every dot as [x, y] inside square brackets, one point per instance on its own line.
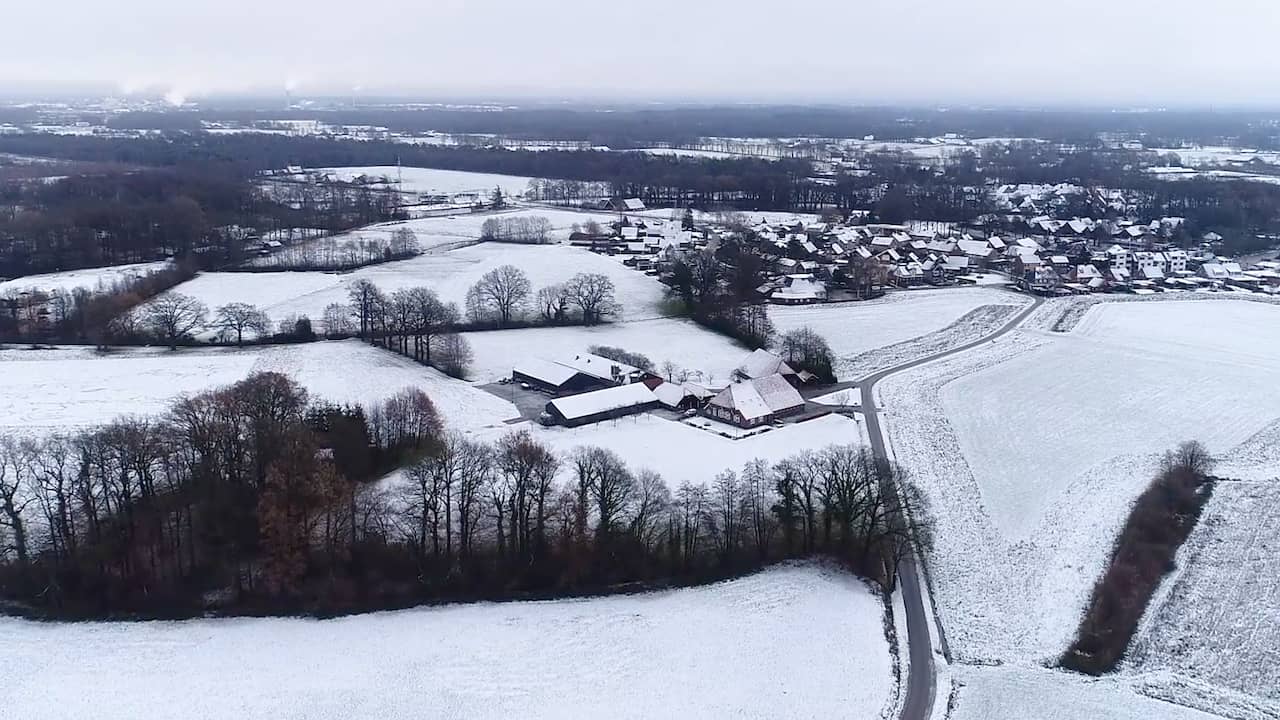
[854, 329]
[792, 641]
[680, 341]
[1210, 637]
[437, 234]
[449, 274]
[102, 278]
[72, 387]
[1008, 693]
[424, 180]
[682, 453]
[1031, 449]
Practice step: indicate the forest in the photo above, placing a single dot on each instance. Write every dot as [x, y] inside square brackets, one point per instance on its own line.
[254, 498]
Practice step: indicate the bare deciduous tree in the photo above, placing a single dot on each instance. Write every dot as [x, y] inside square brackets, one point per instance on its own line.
[593, 295]
[236, 318]
[499, 295]
[173, 317]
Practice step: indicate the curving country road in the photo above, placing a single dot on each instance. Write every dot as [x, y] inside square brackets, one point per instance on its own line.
[921, 686]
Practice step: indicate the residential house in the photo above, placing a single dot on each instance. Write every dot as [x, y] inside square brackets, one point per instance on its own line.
[754, 402]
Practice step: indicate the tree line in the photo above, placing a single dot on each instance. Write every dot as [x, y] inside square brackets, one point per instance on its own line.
[251, 498]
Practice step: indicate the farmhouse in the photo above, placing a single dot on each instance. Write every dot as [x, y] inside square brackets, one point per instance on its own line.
[601, 405]
[755, 402]
[762, 363]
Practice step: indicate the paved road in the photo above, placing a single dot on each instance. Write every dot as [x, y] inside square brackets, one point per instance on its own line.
[918, 704]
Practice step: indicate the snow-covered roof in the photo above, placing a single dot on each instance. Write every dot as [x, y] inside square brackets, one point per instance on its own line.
[634, 204]
[614, 398]
[763, 363]
[552, 373]
[670, 394]
[759, 397]
[600, 367]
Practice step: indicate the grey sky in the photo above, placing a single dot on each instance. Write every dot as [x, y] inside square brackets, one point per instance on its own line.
[1126, 52]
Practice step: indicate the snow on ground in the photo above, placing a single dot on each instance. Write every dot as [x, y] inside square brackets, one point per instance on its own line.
[1031, 449]
[854, 329]
[680, 341]
[73, 387]
[1210, 638]
[437, 234]
[101, 278]
[792, 641]
[450, 274]
[1010, 693]
[431, 180]
[682, 453]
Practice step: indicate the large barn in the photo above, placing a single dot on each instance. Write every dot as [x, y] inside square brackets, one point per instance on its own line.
[600, 405]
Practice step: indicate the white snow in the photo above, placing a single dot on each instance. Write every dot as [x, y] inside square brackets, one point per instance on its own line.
[1211, 635]
[1031, 449]
[101, 278]
[450, 274]
[682, 342]
[438, 234]
[1015, 693]
[682, 453]
[423, 180]
[73, 387]
[855, 328]
[792, 641]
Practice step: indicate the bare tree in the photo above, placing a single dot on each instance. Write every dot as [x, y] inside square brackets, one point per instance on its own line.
[593, 295]
[453, 356]
[174, 316]
[14, 469]
[553, 303]
[238, 317]
[500, 294]
[336, 321]
[364, 297]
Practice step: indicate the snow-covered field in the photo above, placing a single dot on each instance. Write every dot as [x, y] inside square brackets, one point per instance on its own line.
[449, 274]
[792, 641]
[1016, 693]
[90, 278]
[855, 329]
[423, 180]
[1210, 637]
[441, 233]
[72, 387]
[680, 341]
[682, 453]
[1031, 449]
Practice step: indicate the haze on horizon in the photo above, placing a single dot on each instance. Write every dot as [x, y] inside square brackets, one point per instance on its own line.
[1088, 52]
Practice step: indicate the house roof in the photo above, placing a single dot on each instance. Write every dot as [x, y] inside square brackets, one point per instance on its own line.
[614, 398]
[763, 363]
[600, 367]
[551, 373]
[759, 397]
[670, 394]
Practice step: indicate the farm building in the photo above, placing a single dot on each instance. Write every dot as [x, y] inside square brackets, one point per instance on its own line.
[762, 363]
[601, 405]
[755, 402]
[580, 373]
[554, 378]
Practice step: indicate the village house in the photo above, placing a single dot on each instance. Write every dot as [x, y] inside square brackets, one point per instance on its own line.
[755, 402]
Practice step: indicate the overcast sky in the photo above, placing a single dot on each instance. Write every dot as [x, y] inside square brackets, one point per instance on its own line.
[1096, 52]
